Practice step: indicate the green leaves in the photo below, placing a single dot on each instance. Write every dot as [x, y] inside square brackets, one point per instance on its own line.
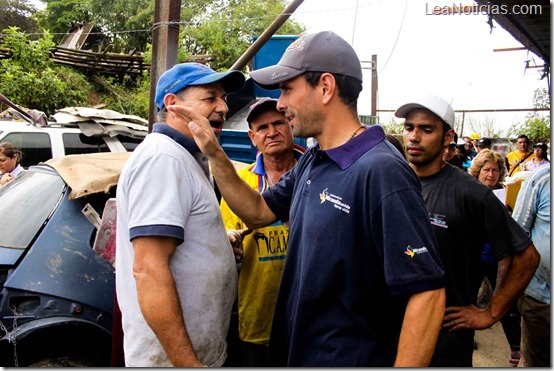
[31, 80]
[536, 124]
[225, 28]
[221, 28]
[18, 13]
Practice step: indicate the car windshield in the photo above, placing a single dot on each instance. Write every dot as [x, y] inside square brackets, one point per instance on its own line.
[25, 204]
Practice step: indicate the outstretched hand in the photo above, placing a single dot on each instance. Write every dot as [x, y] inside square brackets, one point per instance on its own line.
[200, 128]
[468, 317]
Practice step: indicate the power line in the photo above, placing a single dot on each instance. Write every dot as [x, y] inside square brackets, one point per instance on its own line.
[397, 36]
[162, 24]
[197, 23]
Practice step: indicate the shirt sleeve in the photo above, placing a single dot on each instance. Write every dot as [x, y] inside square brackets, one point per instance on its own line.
[411, 256]
[164, 212]
[525, 208]
[279, 196]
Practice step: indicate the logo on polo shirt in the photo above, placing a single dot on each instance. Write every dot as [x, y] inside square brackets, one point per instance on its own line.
[335, 200]
[411, 252]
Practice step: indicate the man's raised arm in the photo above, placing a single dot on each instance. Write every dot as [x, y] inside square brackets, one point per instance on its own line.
[244, 201]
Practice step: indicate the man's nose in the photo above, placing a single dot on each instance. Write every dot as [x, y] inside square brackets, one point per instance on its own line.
[221, 107]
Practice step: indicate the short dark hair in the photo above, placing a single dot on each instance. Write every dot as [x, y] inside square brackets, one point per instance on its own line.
[349, 87]
[10, 150]
[523, 136]
[161, 115]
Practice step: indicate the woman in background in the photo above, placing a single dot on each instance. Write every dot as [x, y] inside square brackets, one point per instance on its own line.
[540, 158]
[488, 167]
[10, 162]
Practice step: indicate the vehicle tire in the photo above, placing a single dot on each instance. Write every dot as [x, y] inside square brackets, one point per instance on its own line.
[62, 361]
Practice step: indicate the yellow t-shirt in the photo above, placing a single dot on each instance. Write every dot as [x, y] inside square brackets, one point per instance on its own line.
[262, 266]
[514, 159]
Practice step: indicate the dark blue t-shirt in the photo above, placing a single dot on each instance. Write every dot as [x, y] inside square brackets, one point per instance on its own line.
[360, 244]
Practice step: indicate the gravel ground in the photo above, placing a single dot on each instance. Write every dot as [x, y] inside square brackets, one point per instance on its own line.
[493, 349]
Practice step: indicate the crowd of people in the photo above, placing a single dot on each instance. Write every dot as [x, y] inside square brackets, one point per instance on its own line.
[357, 251]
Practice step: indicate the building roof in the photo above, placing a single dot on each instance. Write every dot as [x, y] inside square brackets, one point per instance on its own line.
[532, 30]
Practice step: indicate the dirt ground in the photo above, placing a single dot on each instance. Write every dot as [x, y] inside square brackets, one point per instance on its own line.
[492, 348]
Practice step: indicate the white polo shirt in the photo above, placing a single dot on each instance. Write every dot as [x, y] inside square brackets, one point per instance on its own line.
[164, 191]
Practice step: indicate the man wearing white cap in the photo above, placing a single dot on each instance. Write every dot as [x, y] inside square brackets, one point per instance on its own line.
[362, 283]
[465, 215]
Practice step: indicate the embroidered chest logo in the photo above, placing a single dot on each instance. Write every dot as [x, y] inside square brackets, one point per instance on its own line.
[411, 252]
[438, 220]
[335, 200]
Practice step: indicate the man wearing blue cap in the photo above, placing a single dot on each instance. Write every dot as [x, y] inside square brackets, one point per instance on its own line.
[175, 271]
[363, 282]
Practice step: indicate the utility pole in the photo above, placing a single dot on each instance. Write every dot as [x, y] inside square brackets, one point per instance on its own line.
[374, 85]
[165, 38]
[372, 66]
[266, 35]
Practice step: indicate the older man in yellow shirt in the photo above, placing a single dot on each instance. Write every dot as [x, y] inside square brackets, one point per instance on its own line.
[264, 249]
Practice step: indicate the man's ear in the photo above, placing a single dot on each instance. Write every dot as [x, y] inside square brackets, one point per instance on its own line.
[328, 86]
[251, 135]
[448, 137]
[169, 99]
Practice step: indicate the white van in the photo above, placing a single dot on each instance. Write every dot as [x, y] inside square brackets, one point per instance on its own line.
[70, 131]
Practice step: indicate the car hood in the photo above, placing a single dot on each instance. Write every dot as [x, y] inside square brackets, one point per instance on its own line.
[8, 256]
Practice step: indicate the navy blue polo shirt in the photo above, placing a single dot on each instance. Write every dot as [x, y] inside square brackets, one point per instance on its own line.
[360, 243]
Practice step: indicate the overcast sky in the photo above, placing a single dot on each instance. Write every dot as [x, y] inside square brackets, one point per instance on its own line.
[418, 53]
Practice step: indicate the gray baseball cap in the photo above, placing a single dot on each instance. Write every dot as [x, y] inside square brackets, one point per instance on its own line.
[317, 52]
[262, 105]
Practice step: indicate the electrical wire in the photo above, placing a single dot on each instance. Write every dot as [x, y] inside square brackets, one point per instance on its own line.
[197, 23]
[397, 38]
[355, 19]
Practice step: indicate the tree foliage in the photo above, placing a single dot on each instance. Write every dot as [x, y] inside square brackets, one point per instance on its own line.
[225, 28]
[132, 98]
[60, 16]
[536, 124]
[221, 28]
[392, 127]
[31, 80]
[18, 13]
[127, 23]
[485, 126]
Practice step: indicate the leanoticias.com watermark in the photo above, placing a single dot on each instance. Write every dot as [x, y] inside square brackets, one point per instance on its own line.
[494, 9]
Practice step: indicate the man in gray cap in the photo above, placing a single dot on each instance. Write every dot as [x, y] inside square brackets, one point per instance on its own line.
[175, 271]
[362, 283]
[465, 215]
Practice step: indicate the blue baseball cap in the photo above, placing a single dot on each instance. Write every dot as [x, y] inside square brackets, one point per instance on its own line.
[182, 75]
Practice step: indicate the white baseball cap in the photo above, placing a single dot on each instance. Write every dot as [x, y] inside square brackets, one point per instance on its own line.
[432, 103]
